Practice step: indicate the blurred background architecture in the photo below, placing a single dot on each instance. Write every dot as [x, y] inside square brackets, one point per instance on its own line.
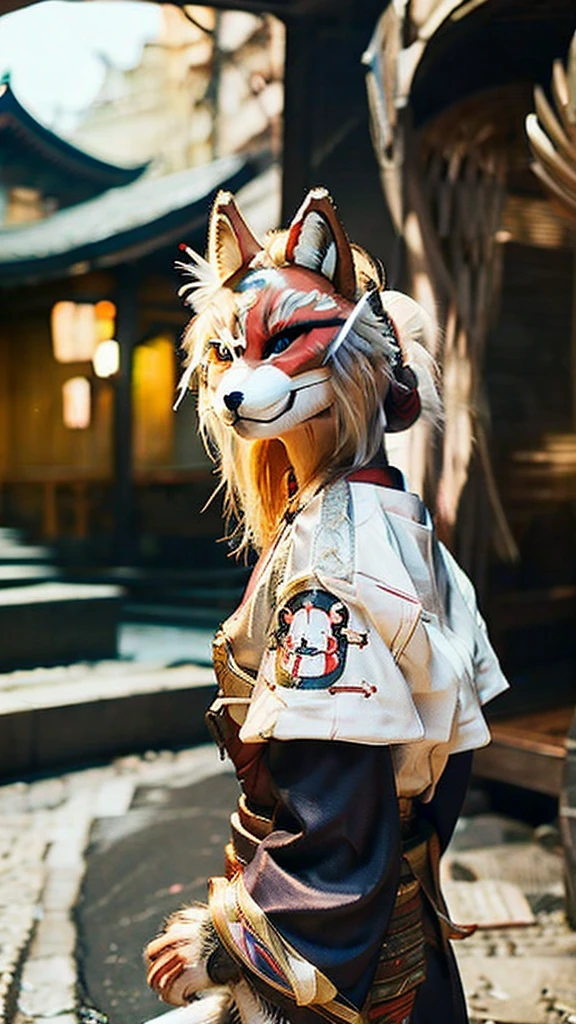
[118, 124]
[91, 228]
[413, 115]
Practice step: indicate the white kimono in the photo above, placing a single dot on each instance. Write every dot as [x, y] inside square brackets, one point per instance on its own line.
[359, 626]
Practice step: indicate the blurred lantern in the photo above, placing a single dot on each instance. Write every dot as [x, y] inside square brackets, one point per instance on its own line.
[73, 332]
[78, 327]
[105, 313]
[76, 403]
[106, 358]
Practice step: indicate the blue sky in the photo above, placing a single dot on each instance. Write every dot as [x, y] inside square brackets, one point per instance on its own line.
[54, 51]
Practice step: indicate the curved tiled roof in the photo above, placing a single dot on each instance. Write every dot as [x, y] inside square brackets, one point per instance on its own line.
[34, 143]
[124, 223]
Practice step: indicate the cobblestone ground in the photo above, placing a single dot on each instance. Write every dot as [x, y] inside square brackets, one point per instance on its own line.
[517, 975]
[44, 832]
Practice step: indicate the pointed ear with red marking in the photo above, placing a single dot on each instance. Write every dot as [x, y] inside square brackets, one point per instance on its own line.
[231, 244]
[317, 241]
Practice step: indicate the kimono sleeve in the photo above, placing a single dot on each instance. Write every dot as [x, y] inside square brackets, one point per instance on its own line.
[330, 672]
[321, 887]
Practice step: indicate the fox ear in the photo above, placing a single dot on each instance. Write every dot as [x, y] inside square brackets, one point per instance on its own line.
[317, 241]
[231, 244]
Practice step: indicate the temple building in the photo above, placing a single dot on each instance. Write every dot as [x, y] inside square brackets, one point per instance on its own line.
[91, 453]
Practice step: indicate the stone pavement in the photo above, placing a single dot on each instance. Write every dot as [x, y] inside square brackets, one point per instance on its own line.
[45, 828]
[516, 975]
[92, 860]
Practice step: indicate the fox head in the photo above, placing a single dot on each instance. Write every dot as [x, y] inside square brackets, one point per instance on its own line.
[285, 331]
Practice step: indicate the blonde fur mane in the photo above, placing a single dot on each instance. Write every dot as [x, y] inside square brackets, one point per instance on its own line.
[254, 474]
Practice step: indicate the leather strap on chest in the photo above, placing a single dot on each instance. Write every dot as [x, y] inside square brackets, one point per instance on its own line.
[228, 711]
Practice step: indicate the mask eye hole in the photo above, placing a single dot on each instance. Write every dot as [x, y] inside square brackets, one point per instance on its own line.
[280, 342]
[280, 345]
[220, 351]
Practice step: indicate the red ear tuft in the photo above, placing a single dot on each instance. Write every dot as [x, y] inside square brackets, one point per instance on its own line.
[317, 241]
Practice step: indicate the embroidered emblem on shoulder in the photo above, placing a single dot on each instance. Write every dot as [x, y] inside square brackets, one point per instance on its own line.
[311, 640]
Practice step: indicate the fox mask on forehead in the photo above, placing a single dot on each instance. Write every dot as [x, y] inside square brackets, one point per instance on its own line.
[285, 331]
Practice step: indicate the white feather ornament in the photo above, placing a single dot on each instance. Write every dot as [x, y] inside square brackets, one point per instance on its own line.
[205, 280]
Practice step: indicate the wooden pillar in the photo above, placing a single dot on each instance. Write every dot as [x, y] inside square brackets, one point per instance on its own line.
[568, 823]
[124, 543]
[81, 507]
[326, 131]
[49, 510]
[299, 100]
[573, 359]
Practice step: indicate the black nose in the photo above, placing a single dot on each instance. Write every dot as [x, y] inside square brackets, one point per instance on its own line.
[233, 400]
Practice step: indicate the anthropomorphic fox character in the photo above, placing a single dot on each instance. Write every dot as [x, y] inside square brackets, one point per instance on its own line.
[298, 331]
[353, 672]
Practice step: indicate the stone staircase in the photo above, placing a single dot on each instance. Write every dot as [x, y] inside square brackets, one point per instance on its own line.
[193, 597]
[184, 596]
[21, 564]
[45, 620]
[70, 691]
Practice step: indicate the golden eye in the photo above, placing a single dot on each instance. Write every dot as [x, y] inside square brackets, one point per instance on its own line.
[220, 350]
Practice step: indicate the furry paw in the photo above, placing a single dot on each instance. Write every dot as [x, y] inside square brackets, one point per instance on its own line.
[176, 960]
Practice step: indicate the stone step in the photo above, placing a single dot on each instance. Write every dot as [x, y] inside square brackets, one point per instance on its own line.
[10, 533]
[143, 578]
[21, 575]
[11, 552]
[182, 595]
[57, 623]
[172, 613]
[50, 718]
[166, 643]
[197, 595]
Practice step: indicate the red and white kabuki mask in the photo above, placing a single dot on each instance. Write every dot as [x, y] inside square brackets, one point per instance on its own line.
[271, 377]
[265, 367]
[268, 329]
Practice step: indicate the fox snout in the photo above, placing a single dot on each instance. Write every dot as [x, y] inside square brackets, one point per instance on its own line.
[233, 400]
[258, 394]
[263, 401]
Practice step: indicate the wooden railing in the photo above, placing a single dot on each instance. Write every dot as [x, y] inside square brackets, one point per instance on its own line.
[59, 503]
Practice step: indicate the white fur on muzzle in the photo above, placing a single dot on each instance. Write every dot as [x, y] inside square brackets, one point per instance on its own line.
[265, 402]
